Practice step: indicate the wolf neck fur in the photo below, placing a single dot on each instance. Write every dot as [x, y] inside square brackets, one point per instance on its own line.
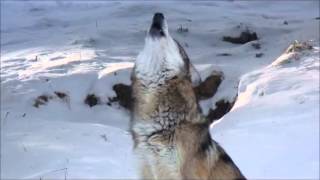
[158, 61]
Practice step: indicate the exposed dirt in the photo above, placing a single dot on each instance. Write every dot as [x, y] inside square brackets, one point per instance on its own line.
[42, 100]
[92, 100]
[256, 45]
[224, 54]
[45, 98]
[244, 37]
[222, 108]
[258, 55]
[61, 95]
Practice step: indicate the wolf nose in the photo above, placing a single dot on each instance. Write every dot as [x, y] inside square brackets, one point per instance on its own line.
[157, 25]
[158, 17]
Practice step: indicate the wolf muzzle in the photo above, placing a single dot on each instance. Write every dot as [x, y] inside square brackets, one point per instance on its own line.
[156, 29]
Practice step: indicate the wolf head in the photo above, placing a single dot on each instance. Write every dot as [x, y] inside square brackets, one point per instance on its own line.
[162, 56]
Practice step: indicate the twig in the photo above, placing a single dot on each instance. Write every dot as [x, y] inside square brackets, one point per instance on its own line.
[63, 169]
[5, 117]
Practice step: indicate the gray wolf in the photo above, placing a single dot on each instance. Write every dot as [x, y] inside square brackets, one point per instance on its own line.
[171, 136]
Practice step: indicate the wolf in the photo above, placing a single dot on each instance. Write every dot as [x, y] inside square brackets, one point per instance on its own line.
[171, 136]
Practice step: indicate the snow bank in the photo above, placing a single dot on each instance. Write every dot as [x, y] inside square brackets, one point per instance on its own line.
[272, 132]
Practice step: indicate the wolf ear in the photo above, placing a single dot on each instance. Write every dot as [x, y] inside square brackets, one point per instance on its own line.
[183, 54]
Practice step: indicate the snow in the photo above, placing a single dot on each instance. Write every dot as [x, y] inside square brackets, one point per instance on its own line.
[275, 120]
[38, 148]
[85, 47]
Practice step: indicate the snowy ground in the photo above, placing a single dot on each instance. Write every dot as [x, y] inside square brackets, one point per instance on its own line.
[75, 48]
[275, 120]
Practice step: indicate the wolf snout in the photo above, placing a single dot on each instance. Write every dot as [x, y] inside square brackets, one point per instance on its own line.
[156, 28]
[158, 17]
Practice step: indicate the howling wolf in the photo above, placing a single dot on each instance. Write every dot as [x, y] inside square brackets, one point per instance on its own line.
[171, 137]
